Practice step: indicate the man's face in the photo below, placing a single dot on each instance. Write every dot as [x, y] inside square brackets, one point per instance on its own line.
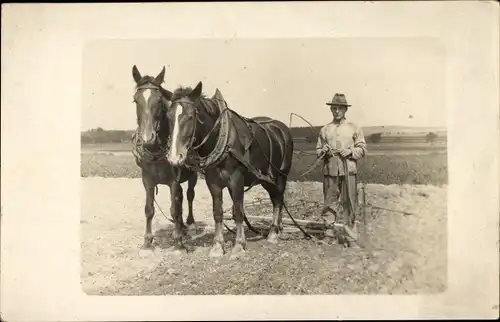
[338, 111]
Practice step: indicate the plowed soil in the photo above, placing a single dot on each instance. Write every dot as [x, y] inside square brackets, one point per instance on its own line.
[402, 254]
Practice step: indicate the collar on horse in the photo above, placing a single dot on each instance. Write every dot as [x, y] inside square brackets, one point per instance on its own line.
[143, 155]
[194, 160]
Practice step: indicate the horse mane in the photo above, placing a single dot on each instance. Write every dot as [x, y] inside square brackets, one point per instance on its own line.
[146, 79]
[208, 104]
[183, 91]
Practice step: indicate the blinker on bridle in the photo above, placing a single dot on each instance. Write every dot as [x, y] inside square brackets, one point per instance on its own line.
[196, 119]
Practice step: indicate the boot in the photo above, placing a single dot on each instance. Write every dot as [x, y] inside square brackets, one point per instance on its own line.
[328, 216]
[351, 236]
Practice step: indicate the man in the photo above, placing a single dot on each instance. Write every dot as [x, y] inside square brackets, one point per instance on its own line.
[340, 144]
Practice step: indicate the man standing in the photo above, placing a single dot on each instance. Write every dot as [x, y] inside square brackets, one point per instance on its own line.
[340, 144]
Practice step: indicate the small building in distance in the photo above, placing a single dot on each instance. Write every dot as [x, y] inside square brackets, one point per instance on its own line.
[438, 137]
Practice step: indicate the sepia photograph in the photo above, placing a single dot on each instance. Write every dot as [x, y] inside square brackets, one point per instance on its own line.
[264, 166]
[250, 161]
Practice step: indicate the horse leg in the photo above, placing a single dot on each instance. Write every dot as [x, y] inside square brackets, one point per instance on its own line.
[215, 189]
[236, 190]
[149, 211]
[176, 212]
[276, 193]
[190, 196]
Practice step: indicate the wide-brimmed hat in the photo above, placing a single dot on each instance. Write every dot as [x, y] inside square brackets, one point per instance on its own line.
[338, 99]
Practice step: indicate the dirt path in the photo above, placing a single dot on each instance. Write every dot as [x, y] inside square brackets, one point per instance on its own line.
[406, 254]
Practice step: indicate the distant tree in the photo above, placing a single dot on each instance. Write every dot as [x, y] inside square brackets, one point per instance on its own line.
[98, 129]
[374, 138]
[87, 139]
[431, 137]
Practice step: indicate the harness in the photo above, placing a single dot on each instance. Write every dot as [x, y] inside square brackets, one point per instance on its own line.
[245, 161]
[194, 160]
[141, 154]
[222, 148]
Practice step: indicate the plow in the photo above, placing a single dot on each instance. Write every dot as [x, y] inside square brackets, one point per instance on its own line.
[306, 218]
[305, 213]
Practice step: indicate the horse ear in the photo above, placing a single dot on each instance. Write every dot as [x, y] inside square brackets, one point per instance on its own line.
[218, 95]
[196, 92]
[161, 76]
[135, 73]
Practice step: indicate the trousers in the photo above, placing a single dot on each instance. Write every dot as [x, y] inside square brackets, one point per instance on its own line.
[337, 198]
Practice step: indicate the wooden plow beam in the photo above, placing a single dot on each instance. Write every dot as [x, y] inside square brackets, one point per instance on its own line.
[309, 226]
[263, 222]
[264, 206]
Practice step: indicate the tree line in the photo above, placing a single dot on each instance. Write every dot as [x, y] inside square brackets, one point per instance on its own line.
[100, 135]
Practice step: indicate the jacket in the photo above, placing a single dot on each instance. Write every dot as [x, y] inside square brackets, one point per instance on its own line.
[342, 135]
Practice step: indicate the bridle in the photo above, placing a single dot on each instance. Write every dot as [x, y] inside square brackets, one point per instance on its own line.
[193, 159]
[196, 119]
[140, 151]
[157, 122]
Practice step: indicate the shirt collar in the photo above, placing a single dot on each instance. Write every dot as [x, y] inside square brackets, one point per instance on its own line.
[343, 121]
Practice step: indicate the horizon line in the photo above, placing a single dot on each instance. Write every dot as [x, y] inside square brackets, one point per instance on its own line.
[306, 126]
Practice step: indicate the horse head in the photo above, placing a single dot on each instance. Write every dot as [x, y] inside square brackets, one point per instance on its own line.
[152, 101]
[182, 119]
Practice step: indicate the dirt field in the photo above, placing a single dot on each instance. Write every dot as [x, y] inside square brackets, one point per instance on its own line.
[387, 168]
[403, 254]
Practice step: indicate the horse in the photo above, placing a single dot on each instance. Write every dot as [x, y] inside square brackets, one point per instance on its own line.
[149, 144]
[232, 151]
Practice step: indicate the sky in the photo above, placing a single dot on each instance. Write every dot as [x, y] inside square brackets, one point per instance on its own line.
[388, 81]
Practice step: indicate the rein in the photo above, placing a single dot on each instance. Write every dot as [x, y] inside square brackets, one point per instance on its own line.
[141, 154]
[194, 161]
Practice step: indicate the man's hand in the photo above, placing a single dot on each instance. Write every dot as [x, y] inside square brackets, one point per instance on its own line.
[325, 149]
[345, 152]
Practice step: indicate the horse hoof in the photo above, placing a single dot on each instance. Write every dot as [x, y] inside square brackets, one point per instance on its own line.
[353, 245]
[179, 246]
[191, 233]
[178, 252]
[147, 246]
[216, 251]
[272, 238]
[237, 251]
[191, 230]
[146, 252]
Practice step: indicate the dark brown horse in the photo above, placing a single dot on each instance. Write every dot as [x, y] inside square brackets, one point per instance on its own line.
[233, 152]
[150, 139]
